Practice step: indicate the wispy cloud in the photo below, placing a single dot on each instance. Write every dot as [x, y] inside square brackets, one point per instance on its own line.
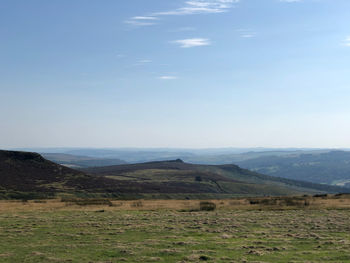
[167, 77]
[183, 29]
[142, 62]
[192, 42]
[120, 56]
[142, 20]
[291, 1]
[347, 41]
[190, 7]
[200, 7]
[246, 33]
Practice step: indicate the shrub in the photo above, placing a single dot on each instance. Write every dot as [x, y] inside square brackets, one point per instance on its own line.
[321, 195]
[266, 201]
[198, 179]
[292, 202]
[207, 206]
[254, 202]
[280, 201]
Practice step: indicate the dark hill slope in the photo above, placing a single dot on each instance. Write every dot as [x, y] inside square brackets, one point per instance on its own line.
[30, 172]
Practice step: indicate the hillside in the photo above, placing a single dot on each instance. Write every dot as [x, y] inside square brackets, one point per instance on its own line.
[225, 179]
[30, 171]
[331, 168]
[29, 175]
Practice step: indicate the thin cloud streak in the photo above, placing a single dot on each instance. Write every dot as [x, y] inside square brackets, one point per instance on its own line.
[142, 21]
[144, 18]
[291, 1]
[193, 7]
[347, 41]
[183, 29]
[167, 77]
[248, 36]
[192, 42]
[142, 62]
[139, 23]
[246, 33]
[201, 7]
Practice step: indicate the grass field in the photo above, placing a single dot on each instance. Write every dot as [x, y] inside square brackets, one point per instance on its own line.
[174, 231]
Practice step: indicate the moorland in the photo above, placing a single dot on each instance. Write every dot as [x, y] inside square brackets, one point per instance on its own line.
[302, 229]
[165, 211]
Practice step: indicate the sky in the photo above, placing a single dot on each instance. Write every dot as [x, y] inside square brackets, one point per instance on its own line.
[175, 73]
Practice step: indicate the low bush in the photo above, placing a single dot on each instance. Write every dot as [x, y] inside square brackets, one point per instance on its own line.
[207, 206]
[281, 201]
[321, 195]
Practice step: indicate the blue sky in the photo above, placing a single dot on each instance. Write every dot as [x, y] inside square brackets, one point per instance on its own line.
[159, 73]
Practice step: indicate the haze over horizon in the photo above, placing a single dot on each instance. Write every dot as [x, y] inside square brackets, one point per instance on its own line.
[175, 74]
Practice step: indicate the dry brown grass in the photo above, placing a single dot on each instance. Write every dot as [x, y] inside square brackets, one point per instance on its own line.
[309, 202]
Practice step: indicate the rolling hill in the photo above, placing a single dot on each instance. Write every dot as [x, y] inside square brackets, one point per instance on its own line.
[198, 156]
[221, 179]
[29, 175]
[331, 168]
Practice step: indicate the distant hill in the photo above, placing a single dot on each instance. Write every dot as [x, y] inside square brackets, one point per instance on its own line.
[29, 175]
[76, 161]
[199, 156]
[240, 157]
[225, 179]
[132, 155]
[331, 168]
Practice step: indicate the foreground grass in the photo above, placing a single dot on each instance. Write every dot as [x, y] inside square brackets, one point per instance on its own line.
[96, 235]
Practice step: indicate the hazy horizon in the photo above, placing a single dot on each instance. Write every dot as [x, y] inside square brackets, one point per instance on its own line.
[175, 74]
[174, 149]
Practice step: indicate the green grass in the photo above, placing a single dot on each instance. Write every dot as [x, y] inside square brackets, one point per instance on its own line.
[172, 236]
